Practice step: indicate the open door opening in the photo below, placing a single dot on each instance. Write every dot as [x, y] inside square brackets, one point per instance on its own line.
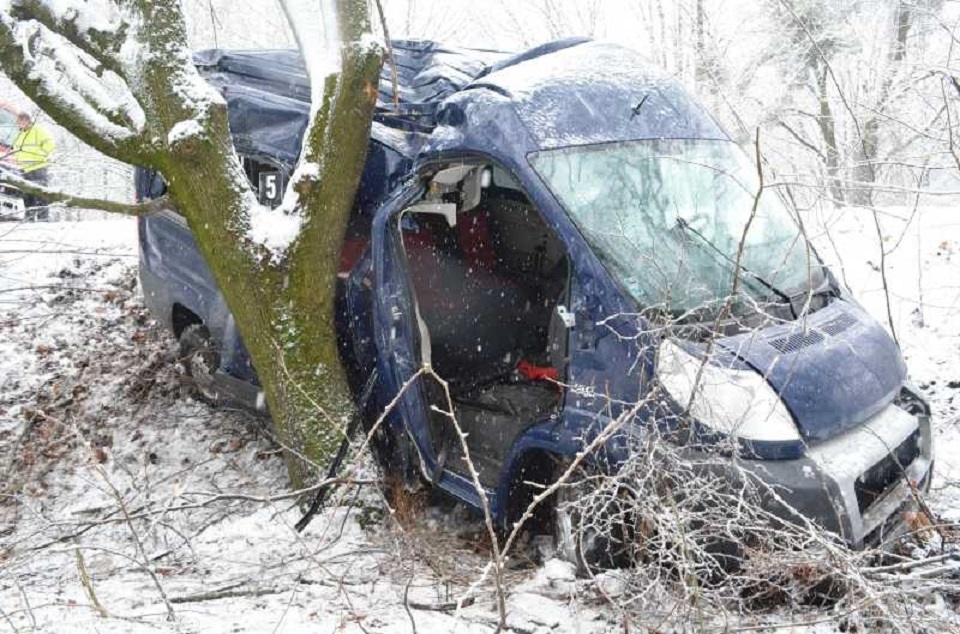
[489, 276]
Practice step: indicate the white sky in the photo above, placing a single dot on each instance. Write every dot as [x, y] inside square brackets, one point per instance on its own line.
[474, 23]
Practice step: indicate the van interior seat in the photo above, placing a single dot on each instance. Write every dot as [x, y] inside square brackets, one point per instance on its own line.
[486, 290]
[477, 314]
[350, 253]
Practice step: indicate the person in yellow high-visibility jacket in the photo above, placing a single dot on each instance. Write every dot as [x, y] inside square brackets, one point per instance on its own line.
[31, 150]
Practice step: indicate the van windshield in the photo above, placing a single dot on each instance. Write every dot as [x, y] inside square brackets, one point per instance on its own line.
[667, 216]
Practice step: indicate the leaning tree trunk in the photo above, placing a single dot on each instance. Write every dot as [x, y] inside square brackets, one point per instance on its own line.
[283, 302]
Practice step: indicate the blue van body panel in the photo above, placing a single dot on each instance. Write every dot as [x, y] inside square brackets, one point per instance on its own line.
[169, 252]
[456, 104]
[841, 367]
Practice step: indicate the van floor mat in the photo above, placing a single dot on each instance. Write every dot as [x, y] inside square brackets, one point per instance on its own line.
[493, 418]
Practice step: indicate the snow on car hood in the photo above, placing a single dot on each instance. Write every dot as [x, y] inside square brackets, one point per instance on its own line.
[833, 369]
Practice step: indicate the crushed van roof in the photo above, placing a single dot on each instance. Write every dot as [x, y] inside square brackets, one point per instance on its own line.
[268, 91]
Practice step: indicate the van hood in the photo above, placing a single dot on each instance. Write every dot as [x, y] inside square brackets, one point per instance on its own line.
[833, 370]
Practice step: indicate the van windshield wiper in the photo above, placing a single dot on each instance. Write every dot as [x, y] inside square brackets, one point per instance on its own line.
[683, 224]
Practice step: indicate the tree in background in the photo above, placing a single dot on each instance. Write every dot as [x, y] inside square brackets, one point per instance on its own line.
[812, 41]
[119, 75]
[860, 98]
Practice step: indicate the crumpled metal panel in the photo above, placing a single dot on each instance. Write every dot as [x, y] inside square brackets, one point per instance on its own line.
[268, 92]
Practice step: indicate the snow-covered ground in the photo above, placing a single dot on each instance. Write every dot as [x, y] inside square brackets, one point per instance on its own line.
[922, 265]
[93, 412]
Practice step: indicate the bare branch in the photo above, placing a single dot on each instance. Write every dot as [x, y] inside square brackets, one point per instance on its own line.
[801, 140]
[951, 144]
[227, 592]
[69, 200]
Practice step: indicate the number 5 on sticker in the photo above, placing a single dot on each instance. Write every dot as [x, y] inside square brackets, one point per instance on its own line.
[271, 188]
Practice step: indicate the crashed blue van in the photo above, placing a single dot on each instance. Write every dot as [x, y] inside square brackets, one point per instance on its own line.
[557, 234]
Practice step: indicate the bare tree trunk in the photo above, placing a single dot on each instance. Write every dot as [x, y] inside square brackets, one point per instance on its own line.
[678, 40]
[663, 35]
[828, 130]
[865, 172]
[701, 65]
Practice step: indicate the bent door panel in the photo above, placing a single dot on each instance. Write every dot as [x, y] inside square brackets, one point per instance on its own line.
[395, 328]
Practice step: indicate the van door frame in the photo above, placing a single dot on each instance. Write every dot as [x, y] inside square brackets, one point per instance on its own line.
[392, 277]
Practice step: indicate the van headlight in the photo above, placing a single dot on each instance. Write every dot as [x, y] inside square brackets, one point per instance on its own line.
[739, 403]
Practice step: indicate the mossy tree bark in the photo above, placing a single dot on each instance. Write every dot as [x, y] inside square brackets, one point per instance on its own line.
[283, 304]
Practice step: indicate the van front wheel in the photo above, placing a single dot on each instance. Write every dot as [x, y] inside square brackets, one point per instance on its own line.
[200, 359]
[591, 528]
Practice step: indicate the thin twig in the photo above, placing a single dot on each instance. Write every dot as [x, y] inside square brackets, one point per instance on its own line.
[226, 593]
[393, 59]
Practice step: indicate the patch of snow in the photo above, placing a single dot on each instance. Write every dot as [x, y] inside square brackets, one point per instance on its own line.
[613, 583]
[54, 63]
[306, 170]
[88, 15]
[183, 130]
[78, 66]
[370, 42]
[196, 94]
[318, 37]
[558, 570]
[530, 611]
[274, 229]
[556, 579]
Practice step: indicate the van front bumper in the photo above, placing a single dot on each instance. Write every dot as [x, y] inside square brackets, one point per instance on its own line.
[858, 484]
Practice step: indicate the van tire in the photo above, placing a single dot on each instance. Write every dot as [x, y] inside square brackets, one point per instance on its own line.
[576, 540]
[200, 359]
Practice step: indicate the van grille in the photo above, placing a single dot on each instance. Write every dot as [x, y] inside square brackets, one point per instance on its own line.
[890, 526]
[878, 479]
[796, 341]
[799, 340]
[838, 324]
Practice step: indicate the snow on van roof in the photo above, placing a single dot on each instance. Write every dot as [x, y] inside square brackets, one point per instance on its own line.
[596, 92]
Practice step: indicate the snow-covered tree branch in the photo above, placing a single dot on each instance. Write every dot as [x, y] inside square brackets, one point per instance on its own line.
[71, 85]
